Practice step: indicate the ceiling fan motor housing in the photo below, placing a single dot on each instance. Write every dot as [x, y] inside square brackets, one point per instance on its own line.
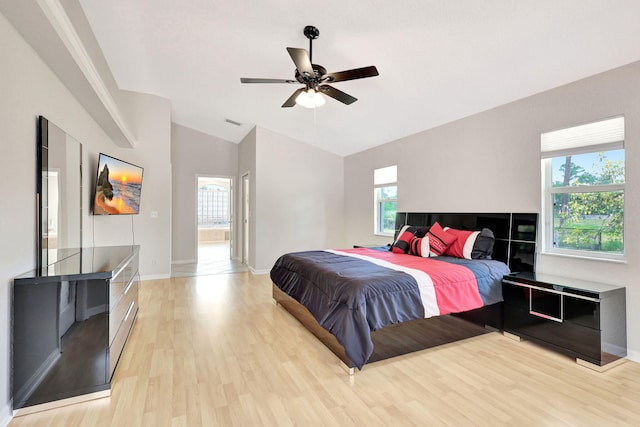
[319, 71]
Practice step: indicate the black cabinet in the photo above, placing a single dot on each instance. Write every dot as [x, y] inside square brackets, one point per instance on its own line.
[373, 246]
[584, 320]
[70, 322]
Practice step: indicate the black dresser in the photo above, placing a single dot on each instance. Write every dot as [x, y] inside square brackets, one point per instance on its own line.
[70, 322]
[585, 320]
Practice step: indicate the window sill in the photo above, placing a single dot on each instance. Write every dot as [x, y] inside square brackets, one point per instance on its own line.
[585, 257]
[383, 234]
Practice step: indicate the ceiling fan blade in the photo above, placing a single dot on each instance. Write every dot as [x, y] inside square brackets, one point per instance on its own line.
[339, 95]
[292, 99]
[356, 73]
[301, 59]
[252, 80]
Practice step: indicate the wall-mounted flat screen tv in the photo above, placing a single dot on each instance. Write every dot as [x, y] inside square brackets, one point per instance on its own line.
[118, 187]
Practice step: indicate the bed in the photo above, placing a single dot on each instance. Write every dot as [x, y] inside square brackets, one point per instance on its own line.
[371, 304]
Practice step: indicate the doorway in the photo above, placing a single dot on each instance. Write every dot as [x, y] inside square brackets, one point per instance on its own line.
[214, 220]
[214, 230]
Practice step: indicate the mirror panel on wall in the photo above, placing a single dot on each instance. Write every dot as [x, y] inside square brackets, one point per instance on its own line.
[61, 313]
[59, 194]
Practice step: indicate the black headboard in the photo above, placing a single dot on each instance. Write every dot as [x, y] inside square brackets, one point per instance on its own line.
[515, 233]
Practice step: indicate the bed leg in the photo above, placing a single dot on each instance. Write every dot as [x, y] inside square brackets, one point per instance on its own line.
[512, 336]
[351, 371]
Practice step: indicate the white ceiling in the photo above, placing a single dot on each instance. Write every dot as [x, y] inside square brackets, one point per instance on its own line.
[439, 60]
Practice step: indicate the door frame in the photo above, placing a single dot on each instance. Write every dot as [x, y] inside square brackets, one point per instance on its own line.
[245, 193]
[231, 208]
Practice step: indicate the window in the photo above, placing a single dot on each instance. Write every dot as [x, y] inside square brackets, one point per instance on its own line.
[583, 189]
[386, 200]
[213, 206]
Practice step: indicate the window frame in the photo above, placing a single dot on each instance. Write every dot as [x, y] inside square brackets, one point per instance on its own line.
[549, 191]
[379, 201]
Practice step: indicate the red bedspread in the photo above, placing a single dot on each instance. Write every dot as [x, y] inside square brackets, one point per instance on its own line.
[444, 288]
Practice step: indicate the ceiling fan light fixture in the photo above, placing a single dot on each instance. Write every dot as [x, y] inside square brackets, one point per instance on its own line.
[310, 99]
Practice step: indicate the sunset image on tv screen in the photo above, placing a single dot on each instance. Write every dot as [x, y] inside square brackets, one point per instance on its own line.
[118, 187]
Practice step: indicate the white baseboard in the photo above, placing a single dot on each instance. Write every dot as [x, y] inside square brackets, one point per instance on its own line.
[183, 261]
[155, 276]
[633, 356]
[5, 414]
[257, 272]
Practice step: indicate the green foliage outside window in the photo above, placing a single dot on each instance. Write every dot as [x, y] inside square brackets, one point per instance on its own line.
[387, 205]
[589, 220]
[388, 217]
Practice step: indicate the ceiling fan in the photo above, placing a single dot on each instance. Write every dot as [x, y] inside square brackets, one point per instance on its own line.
[315, 78]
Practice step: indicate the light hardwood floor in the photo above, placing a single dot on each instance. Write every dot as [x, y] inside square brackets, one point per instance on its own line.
[215, 350]
[213, 258]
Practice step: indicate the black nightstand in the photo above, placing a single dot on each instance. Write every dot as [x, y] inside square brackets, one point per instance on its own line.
[374, 246]
[584, 320]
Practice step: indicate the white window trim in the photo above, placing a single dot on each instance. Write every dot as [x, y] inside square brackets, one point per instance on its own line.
[587, 188]
[376, 208]
[547, 246]
[377, 202]
[547, 207]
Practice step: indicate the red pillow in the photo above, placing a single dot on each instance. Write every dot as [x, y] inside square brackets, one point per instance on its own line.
[402, 245]
[463, 246]
[439, 240]
[420, 246]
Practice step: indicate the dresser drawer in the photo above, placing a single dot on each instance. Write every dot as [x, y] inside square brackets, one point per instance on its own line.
[119, 311]
[120, 282]
[122, 334]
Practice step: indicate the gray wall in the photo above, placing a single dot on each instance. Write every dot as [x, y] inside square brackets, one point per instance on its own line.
[28, 89]
[296, 192]
[491, 162]
[151, 119]
[299, 198]
[194, 153]
[247, 165]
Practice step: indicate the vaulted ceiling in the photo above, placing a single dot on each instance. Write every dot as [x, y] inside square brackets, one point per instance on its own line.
[439, 60]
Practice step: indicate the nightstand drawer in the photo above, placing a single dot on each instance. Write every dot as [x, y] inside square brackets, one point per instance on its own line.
[582, 312]
[552, 304]
[548, 305]
[578, 340]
